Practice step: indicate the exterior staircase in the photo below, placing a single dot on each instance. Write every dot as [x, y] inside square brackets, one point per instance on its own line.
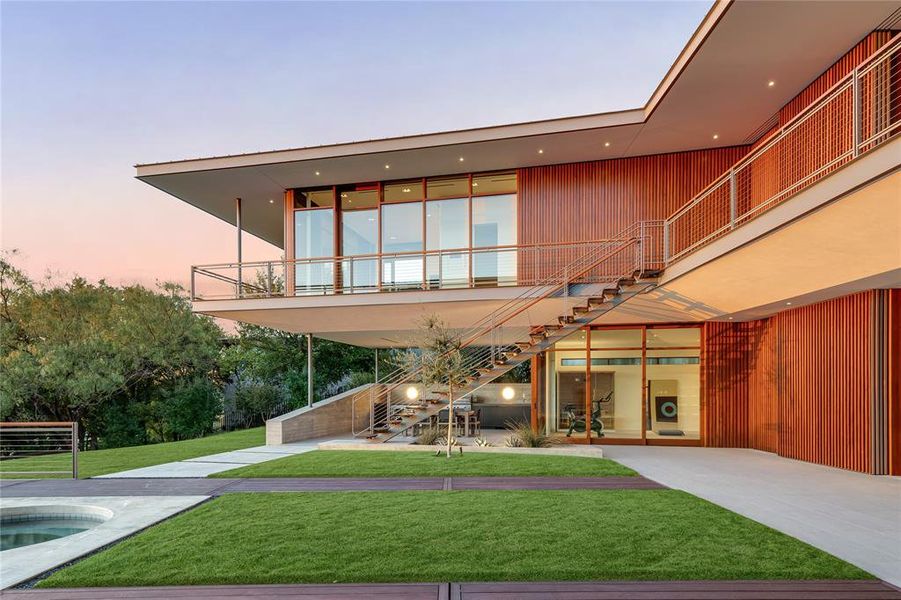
[599, 280]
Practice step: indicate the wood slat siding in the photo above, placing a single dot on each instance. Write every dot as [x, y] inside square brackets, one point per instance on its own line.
[596, 200]
[799, 383]
[767, 372]
[726, 359]
[824, 408]
[856, 55]
[893, 377]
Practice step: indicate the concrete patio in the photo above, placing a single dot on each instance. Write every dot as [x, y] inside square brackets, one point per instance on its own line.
[854, 516]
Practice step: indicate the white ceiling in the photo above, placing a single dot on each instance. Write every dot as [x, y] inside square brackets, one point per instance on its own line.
[717, 86]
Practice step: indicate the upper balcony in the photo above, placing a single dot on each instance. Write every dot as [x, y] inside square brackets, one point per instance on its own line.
[857, 115]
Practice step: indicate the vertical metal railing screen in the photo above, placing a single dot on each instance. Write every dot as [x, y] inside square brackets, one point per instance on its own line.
[860, 112]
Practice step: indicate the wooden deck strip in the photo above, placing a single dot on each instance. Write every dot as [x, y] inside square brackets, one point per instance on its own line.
[182, 486]
[600, 590]
[679, 590]
[555, 483]
[327, 484]
[198, 486]
[385, 591]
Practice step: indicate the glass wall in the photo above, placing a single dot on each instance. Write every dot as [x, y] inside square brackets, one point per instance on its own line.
[359, 236]
[447, 228]
[402, 232]
[494, 224]
[598, 381]
[673, 408]
[437, 232]
[314, 237]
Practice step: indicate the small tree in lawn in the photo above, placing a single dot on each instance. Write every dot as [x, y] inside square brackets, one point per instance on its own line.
[441, 363]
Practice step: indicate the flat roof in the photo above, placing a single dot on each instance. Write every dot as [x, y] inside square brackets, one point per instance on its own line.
[717, 85]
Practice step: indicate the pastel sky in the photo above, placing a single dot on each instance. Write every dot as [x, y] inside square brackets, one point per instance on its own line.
[91, 88]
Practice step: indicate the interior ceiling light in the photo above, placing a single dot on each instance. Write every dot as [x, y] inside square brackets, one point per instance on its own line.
[788, 303]
[461, 159]
[271, 201]
[387, 166]
[716, 136]
[406, 190]
[317, 172]
[540, 151]
[606, 144]
[770, 83]
[475, 184]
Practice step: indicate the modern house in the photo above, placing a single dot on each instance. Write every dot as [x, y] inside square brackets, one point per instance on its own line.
[720, 267]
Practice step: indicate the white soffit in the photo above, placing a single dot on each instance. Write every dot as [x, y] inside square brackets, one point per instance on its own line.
[718, 85]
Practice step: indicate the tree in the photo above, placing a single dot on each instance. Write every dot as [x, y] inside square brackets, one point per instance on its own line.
[260, 355]
[98, 354]
[439, 363]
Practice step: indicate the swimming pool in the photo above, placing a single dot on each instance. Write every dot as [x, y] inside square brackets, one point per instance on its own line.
[24, 526]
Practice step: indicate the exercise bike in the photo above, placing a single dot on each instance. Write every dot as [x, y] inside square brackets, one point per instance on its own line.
[577, 424]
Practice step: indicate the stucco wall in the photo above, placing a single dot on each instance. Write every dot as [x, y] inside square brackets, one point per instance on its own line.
[329, 417]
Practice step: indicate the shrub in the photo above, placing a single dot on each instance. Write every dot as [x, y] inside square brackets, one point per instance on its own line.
[434, 436]
[522, 436]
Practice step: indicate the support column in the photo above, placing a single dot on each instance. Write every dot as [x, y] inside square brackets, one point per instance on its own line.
[310, 372]
[376, 365]
[238, 227]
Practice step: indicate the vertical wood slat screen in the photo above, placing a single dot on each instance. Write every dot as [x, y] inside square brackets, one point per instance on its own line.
[596, 200]
[893, 381]
[798, 383]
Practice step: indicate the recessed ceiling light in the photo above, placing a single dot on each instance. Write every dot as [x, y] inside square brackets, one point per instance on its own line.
[606, 144]
[271, 201]
[317, 172]
[475, 184]
[770, 83]
[540, 151]
[387, 166]
[461, 159]
[406, 190]
[788, 303]
[344, 195]
[716, 136]
[730, 318]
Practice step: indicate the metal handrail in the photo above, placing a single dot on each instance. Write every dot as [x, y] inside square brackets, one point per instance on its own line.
[637, 237]
[728, 185]
[520, 265]
[37, 444]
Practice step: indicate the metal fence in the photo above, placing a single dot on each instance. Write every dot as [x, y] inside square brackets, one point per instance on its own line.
[38, 449]
[860, 112]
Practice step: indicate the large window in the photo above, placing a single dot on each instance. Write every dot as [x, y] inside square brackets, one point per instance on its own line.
[494, 224]
[673, 401]
[314, 238]
[447, 228]
[359, 237]
[402, 233]
[437, 232]
[624, 388]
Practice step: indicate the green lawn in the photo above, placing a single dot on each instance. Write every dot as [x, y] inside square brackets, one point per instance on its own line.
[101, 462]
[370, 463]
[453, 536]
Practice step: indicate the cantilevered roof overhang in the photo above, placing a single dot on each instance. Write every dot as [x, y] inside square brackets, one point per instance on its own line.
[717, 86]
